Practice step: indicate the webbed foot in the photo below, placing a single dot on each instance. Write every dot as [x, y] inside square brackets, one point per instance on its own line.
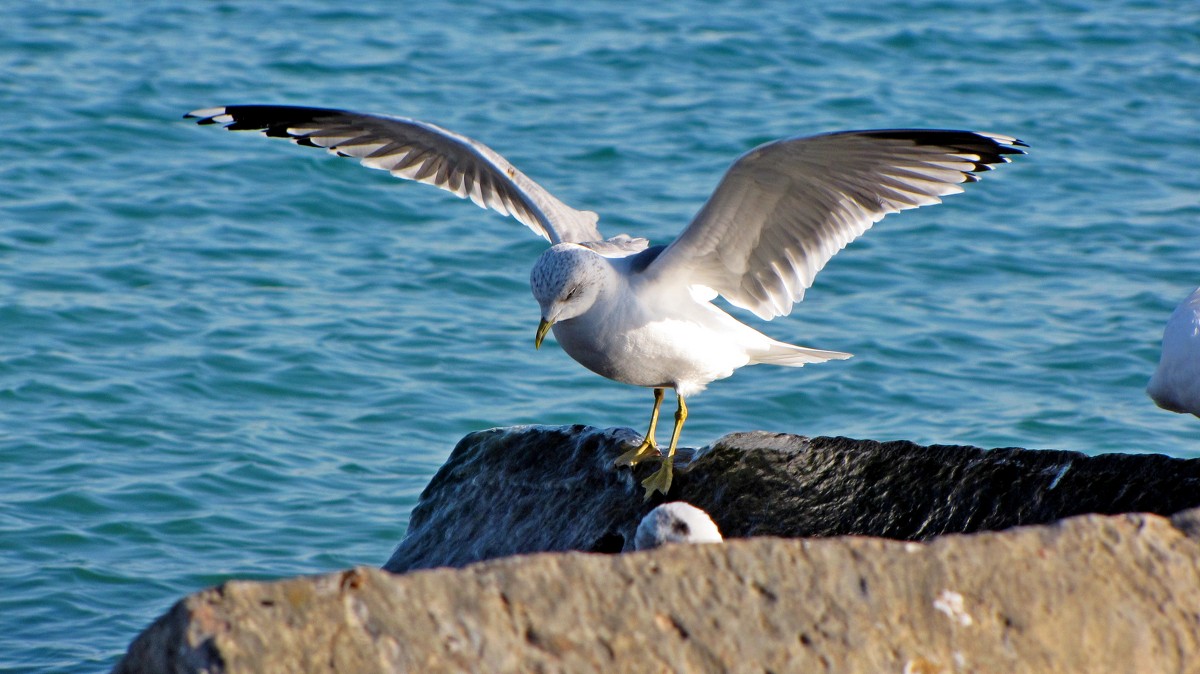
[648, 450]
[660, 481]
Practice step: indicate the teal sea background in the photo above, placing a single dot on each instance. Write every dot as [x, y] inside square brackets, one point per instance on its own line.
[225, 356]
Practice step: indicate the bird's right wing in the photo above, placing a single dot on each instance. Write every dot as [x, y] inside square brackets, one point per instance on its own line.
[417, 151]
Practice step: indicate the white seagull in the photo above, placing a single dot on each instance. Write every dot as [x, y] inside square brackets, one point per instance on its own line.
[675, 522]
[643, 315]
[1175, 385]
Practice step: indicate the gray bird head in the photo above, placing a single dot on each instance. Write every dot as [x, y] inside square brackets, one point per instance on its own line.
[566, 280]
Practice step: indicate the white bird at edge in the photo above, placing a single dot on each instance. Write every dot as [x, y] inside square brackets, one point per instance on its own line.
[643, 315]
[1175, 385]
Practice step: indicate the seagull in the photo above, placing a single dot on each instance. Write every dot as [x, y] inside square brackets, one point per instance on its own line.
[675, 522]
[1175, 385]
[643, 314]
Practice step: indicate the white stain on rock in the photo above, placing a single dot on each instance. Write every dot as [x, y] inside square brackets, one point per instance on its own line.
[951, 603]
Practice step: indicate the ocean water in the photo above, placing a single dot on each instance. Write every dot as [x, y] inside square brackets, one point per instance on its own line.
[225, 356]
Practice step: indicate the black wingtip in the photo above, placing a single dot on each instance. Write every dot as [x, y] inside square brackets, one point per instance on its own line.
[272, 120]
[988, 148]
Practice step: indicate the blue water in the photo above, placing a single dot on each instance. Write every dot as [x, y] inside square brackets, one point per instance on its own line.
[229, 357]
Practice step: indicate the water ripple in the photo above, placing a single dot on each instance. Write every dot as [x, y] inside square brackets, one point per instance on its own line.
[227, 357]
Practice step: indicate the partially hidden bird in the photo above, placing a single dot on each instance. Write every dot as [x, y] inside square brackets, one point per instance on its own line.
[1175, 385]
[643, 314]
[675, 522]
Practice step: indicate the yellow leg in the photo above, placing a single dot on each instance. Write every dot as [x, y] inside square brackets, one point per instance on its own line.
[661, 479]
[648, 449]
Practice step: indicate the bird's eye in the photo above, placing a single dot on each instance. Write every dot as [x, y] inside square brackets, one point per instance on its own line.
[572, 292]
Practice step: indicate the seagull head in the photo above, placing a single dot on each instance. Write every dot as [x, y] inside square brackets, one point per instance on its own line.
[675, 522]
[566, 280]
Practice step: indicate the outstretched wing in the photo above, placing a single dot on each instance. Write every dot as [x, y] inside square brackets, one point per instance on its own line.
[784, 208]
[418, 151]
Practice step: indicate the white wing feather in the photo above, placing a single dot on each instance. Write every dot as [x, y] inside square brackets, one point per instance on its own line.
[783, 209]
[422, 152]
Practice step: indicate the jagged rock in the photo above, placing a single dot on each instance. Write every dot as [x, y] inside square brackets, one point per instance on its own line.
[531, 489]
[1089, 594]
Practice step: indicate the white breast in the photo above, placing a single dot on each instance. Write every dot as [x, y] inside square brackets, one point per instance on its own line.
[672, 344]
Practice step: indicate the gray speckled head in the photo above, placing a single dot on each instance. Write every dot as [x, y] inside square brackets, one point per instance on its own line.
[675, 522]
[566, 280]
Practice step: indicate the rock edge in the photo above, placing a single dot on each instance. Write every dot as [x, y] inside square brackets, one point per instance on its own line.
[1088, 594]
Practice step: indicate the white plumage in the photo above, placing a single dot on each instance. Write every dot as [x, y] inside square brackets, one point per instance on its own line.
[675, 522]
[1175, 385]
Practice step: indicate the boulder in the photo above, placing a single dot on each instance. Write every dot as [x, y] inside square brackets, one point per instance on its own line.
[1088, 594]
[528, 489]
[857, 563]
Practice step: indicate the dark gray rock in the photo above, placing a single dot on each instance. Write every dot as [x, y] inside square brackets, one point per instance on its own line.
[525, 489]
[533, 489]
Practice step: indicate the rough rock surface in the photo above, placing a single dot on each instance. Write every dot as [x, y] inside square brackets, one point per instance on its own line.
[1088, 594]
[532, 489]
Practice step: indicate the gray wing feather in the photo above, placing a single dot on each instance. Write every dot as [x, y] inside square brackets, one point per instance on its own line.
[785, 208]
[418, 151]
[621, 245]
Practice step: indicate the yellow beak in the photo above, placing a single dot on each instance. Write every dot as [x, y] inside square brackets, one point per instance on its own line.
[543, 328]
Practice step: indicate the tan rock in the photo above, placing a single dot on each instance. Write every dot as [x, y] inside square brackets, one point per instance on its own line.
[1088, 594]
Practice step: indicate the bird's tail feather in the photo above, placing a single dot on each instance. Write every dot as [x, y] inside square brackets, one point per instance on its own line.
[796, 356]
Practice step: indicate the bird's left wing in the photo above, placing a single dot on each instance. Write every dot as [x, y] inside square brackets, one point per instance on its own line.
[784, 208]
[417, 151]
